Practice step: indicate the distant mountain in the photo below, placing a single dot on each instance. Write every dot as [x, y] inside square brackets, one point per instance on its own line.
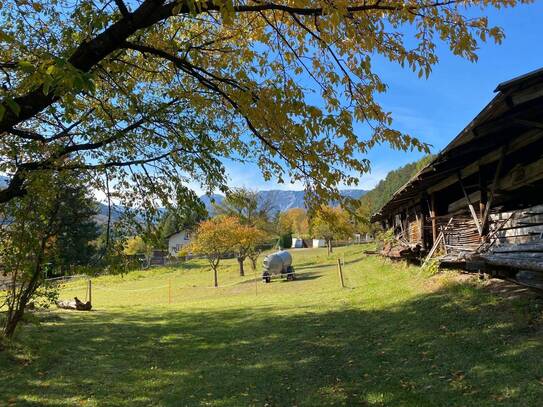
[280, 200]
[209, 200]
[103, 212]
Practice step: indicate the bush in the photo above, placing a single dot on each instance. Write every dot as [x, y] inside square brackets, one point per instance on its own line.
[285, 241]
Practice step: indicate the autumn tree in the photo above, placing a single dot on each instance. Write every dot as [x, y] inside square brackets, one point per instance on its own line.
[136, 245]
[247, 242]
[215, 238]
[148, 95]
[294, 221]
[331, 223]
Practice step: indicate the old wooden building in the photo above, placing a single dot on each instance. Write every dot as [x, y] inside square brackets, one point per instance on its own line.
[479, 203]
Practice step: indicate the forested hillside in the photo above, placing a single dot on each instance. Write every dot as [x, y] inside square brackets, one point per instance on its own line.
[394, 180]
[374, 200]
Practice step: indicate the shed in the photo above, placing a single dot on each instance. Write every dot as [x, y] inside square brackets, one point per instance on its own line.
[479, 201]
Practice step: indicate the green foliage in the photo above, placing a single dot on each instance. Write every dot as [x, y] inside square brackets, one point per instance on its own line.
[182, 218]
[431, 268]
[395, 179]
[372, 201]
[40, 232]
[285, 241]
[75, 242]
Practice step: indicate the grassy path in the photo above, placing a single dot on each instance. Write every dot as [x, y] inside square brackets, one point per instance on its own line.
[392, 338]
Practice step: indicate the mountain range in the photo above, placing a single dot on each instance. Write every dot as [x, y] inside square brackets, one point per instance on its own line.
[279, 200]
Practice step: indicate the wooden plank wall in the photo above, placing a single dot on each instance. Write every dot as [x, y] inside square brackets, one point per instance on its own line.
[523, 226]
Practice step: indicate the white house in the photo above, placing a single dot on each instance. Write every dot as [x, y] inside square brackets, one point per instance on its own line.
[177, 240]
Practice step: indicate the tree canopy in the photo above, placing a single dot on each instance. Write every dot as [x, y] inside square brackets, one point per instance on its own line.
[374, 200]
[293, 221]
[215, 238]
[148, 96]
[331, 223]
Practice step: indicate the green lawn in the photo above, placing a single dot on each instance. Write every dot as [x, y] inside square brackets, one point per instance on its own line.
[392, 338]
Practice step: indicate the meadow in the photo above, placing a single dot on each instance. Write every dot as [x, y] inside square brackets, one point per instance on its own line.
[393, 337]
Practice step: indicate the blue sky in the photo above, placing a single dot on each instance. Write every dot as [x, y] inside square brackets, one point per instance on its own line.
[438, 108]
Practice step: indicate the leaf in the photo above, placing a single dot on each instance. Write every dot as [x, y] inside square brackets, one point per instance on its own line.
[13, 106]
[27, 66]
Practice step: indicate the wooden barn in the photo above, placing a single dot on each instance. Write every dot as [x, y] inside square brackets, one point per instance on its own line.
[479, 203]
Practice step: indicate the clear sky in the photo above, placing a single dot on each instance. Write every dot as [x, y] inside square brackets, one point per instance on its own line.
[437, 109]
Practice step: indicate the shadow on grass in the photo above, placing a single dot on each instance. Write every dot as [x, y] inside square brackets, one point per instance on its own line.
[455, 347]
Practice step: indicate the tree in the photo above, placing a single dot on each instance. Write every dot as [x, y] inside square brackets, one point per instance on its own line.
[330, 223]
[178, 219]
[247, 241]
[245, 205]
[254, 219]
[32, 233]
[214, 239]
[148, 94]
[137, 245]
[294, 221]
[75, 244]
[373, 200]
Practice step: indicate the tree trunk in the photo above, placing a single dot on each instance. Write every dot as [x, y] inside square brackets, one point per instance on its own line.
[329, 246]
[12, 321]
[253, 263]
[216, 276]
[241, 270]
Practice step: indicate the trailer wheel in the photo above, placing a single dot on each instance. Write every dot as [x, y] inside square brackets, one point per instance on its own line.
[266, 278]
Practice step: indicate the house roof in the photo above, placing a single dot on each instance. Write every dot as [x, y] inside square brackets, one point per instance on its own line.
[175, 233]
[502, 113]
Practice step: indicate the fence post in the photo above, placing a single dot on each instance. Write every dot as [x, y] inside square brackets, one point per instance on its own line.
[340, 272]
[90, 290]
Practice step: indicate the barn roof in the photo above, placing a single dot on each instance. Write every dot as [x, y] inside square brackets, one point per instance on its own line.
[516, 107]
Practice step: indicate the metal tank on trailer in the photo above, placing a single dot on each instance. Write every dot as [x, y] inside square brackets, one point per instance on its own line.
[278, 264]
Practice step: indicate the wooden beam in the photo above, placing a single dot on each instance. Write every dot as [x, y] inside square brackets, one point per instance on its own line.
[529, 123]
[460, 203]
[483, 194]
[521, 176]
[470, 206]
[436, 243]
[519, 143]
[493, 186]
[433, 216]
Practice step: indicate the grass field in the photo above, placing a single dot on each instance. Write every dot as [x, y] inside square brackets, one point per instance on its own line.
[393, 337]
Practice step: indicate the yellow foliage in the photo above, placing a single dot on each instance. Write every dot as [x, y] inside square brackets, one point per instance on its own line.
[331, 223]
[134, 246]
[294, 220]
